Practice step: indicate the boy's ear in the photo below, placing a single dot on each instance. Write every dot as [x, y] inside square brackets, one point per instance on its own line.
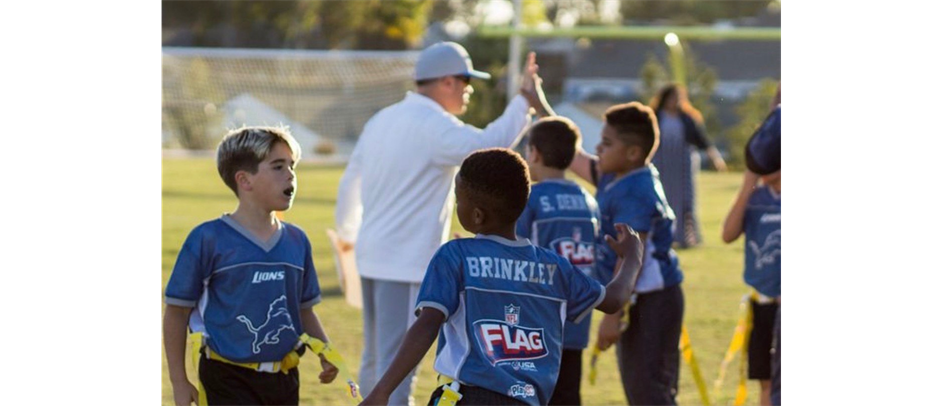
[634, 153]
[535, 155]
[478, 216]
[243, 181]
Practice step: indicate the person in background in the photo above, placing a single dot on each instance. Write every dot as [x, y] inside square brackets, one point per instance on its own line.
[681, 128]
[395, 198]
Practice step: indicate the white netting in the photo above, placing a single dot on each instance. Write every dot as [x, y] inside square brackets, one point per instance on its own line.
[324, 96]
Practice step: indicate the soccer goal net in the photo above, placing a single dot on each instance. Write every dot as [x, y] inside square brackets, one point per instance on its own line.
[325, 97]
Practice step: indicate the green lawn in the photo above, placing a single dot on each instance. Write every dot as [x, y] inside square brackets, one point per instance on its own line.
[193, 193]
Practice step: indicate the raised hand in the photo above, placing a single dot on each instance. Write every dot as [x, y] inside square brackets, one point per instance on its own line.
[627, 244]
[530, 79]
[531, 87]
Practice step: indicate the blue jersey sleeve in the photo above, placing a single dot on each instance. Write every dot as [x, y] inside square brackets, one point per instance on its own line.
[443, 282]
[584, 293]
[525, 221]
[635, 211]
[310, 287]
[191, 269]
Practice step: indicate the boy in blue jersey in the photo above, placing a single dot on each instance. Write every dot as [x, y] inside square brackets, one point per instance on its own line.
[246, 281]
[629, 191]
[498, 303]
[757, 211]
[564, 217]
[770, 145]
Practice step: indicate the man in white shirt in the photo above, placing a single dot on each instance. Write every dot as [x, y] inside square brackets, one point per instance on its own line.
[396, 196]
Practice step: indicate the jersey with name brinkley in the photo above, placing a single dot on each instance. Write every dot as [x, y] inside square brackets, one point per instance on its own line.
[505, 303]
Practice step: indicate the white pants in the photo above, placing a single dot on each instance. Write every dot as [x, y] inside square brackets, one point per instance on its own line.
[387, 313]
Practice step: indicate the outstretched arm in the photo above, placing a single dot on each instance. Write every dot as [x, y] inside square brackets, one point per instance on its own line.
[531, 88]
[732, 226]
[630, 252]
[582, 164]
[415, 344]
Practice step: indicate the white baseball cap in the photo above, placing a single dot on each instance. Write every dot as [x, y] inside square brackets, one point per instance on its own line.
[446, 59]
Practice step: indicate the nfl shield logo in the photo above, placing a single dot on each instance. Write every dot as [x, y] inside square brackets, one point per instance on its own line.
[577, 234]
[512, 314]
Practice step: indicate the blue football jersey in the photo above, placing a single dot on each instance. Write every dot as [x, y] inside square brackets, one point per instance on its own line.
[763, 228]
[247, 294]
[564, 217]
[505, 303]
[637, 199]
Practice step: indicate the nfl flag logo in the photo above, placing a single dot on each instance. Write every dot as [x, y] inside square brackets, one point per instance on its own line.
[512, 314]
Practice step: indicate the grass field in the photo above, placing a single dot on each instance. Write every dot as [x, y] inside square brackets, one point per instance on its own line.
[193, 193]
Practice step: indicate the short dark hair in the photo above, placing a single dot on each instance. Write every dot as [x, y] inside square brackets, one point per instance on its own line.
[635, 124]
[555, 138]
[498, 181]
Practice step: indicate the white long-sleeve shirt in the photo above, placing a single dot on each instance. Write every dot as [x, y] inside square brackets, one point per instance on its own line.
[396, 196]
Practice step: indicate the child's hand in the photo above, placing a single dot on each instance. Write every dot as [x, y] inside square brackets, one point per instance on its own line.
[628, 244]
[184, 394]
[330, 371]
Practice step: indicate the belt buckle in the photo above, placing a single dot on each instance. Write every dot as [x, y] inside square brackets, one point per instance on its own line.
[270, 367]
